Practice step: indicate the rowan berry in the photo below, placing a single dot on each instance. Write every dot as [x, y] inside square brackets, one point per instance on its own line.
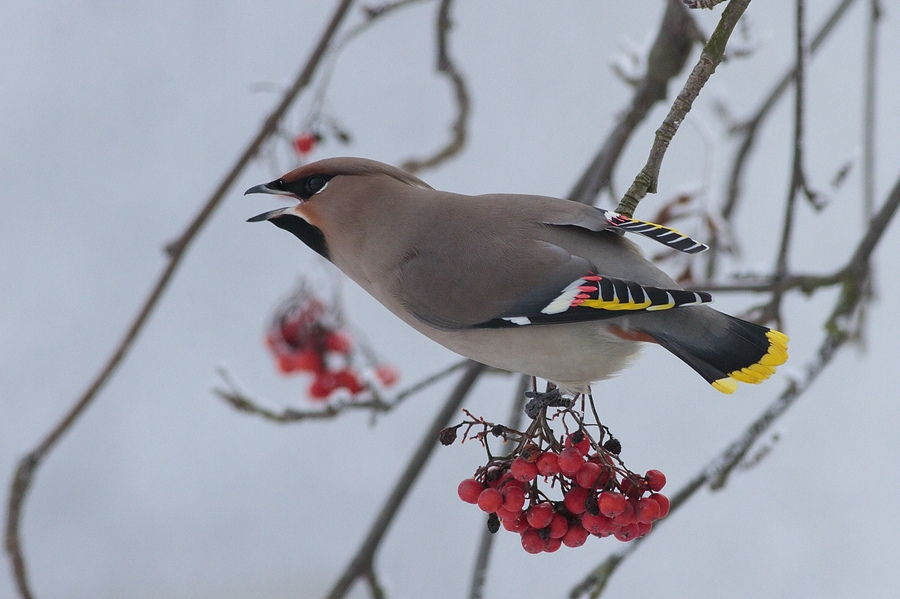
[490, 500]
[575, 536]
[570, 460]
[575, 499]
[522, 470]
[663, 502]
[548, 464]
[558, 526]
[469, 490]
[646, 510]
[513, 498]
[532, 542]
[540, 515]
[587, 475]
[656, 480]
[611, 504]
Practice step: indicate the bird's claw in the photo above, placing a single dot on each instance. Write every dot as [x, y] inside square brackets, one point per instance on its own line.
[537, 401]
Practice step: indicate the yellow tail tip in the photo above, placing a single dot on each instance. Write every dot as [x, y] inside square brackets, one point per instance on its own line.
[756, 373]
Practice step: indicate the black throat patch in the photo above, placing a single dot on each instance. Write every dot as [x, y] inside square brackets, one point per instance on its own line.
[305, 232]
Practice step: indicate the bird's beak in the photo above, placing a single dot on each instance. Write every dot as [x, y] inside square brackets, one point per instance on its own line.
[268, 215]
[264, 188]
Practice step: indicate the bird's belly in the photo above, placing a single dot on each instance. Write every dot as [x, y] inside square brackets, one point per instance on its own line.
[571, 355]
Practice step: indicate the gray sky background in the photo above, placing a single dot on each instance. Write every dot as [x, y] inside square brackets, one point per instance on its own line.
[118, 119]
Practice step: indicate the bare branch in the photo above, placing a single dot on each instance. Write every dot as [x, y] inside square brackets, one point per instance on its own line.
[446, 66]
[363, 561]
[646, 181]
[241, 402]
[751, 126]
[176, 250]
[666, 59]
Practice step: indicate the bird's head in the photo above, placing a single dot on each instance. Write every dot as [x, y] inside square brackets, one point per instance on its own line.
[326, 191]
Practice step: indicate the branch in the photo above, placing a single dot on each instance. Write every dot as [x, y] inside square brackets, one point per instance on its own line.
[446, 66]
[363, 562]
[751, 126]
[241, 402]
[646, 181]
[176, 251]
[666, 59]
[716, 473]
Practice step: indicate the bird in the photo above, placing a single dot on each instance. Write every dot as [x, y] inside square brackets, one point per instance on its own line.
[541, 286]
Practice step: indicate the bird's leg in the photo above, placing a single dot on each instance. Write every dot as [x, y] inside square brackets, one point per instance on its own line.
[551, 397]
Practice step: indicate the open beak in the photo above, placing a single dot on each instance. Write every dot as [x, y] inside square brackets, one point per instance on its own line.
[264, 188]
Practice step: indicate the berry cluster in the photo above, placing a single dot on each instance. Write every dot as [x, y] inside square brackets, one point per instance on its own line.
[596, 494]
[306, 336]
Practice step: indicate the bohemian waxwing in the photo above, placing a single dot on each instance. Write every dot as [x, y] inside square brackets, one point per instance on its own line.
[536, 285]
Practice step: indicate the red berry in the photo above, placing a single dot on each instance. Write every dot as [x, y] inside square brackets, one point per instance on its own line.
[570, 460]
[587, 475]
[584, 445]
[304, 143]
[552, 544]
[644, 528]
[532, 542]
[656, 480]
[611, 504]
[469, 490]
[490, 500]
[647, 510]
[575, 498]
[323, 385]
[575, 536]
[522, 470]
[632, 488]
[626, 517]
[548, 464]
[558, 526]
[387, 375]
[517, 525]
[285, 363]
[540, 515]
[348, 380]
[663, 502]
[513, 498]
[627, 533]
[597, 525]
[308, 360]
[338, 341]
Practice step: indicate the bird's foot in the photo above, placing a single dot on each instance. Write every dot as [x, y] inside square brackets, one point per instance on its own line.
[537, 401]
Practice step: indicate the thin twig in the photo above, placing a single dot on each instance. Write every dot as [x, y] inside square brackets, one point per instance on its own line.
[751, 126]
[239, 400]
[712, 54]
[176, 250]
[446, 66]
[364, 559]
[670, 50]
[798, 178]
[869, 106]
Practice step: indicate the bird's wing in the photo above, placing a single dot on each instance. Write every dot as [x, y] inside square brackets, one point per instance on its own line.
[597, 297]
[598, 219]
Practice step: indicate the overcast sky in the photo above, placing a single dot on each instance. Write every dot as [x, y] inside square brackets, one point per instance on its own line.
[118, 119]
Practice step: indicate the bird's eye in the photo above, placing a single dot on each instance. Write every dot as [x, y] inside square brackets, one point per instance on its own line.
[315, 184]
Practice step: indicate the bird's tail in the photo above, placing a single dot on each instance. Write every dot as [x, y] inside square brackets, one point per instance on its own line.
[724, 349]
